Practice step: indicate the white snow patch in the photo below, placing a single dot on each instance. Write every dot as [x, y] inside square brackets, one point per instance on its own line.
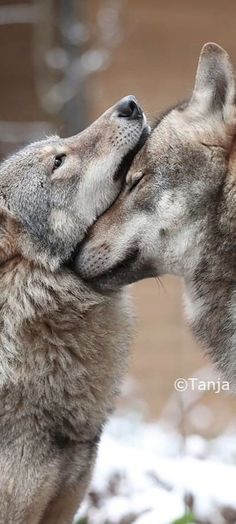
[145, 473]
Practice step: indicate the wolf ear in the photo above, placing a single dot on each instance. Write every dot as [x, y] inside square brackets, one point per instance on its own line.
[214, 90]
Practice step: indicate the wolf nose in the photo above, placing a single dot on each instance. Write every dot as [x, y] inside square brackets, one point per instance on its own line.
[128, 108]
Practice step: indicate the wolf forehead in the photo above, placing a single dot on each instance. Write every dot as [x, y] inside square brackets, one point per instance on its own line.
[38, 150]
[194, 124]
[26, 165]
[28, 156]
[181, 146]
[184, 125]
[34, 163]
[181, 105]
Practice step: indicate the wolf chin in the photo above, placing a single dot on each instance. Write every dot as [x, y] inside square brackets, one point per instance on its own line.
[63, 347]
[177, 211]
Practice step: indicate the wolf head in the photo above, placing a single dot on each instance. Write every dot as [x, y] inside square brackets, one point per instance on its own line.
[52, 191]
[179, 200]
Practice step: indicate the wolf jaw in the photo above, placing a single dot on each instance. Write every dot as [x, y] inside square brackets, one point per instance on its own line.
[180, 216]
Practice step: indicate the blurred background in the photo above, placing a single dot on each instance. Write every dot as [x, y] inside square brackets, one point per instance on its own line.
[63, 62]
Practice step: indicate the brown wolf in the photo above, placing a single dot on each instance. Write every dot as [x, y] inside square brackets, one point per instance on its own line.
[63, 347]
[177, 211]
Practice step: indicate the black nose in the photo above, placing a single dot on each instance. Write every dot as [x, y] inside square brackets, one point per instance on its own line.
[128, 108]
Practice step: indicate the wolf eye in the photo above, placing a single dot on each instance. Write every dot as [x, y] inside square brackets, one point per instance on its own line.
[59, 159]
[135, 180]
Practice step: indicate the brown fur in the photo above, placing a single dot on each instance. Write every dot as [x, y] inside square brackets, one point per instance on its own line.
[66, 351]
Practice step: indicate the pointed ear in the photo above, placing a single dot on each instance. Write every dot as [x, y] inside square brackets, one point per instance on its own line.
[214, 90]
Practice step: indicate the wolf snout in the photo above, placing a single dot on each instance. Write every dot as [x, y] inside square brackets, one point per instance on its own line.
[129, 108]
[92, 260]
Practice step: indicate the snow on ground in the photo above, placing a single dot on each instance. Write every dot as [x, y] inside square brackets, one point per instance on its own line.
[148, 475]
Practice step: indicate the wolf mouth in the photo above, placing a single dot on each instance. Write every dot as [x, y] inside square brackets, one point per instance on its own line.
[123, 273]
[120, 267]
[126, 162]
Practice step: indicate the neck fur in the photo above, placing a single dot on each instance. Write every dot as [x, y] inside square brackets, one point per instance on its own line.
[211, 304]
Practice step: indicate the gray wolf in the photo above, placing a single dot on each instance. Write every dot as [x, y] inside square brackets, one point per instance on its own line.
[63, 347]
[177, 211]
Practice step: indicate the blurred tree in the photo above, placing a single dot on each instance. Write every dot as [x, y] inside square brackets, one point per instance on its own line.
[59, 44]
[53, 48]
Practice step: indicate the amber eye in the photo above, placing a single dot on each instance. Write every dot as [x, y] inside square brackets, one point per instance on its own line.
[59, 159]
